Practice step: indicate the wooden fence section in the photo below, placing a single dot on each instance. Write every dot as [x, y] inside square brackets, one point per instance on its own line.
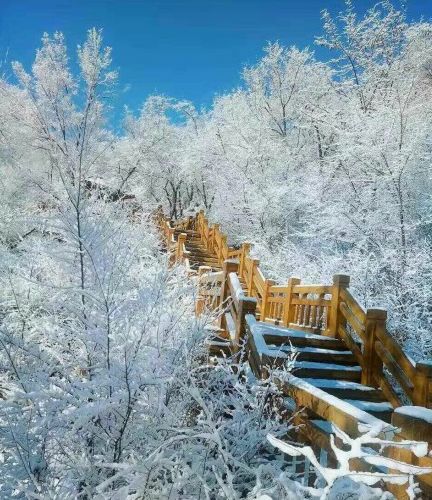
[330, 310]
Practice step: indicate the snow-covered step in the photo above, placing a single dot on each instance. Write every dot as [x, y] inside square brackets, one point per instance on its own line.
[382, 410]
[345, 389]
[319, 354]
[278, 335]
[310, 370]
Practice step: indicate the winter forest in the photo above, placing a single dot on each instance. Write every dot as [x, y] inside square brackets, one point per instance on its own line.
[106, 389]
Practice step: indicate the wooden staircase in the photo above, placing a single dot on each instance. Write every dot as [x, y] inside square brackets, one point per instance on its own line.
[196, 251]
[323, 362]
[342, 361]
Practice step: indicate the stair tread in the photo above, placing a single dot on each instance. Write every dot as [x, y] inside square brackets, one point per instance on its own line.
[347, 390]
[324, 383]
[371, 406]
[280, 331]
[322, 350]
[326, 366]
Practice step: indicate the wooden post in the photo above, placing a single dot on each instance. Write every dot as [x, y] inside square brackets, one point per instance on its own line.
[181, 241]
[245, 249]
[288, 309]
[255, 264]
[340, 281]
[223, 245]
[229, 266]
[213, 238]
[373, 367]
[264, 299]
[423, 384]
[247, 305]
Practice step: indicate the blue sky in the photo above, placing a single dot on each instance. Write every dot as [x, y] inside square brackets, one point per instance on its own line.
[188, 49]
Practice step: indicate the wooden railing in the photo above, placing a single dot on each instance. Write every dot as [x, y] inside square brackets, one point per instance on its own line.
[236, 304]
[241, 294]
[329, 310]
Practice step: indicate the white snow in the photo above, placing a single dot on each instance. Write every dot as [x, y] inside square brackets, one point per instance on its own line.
[417, 412]
[324, 383]
[371, 405]
[236, 286]
[326, 366]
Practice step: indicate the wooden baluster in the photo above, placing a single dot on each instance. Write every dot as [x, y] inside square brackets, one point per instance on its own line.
[340, 281]
[264, 299]
[423, 384]
[321, 315]
[289, 311]
[313, 317]
[307, 311]
[302, 310]
[373, 367]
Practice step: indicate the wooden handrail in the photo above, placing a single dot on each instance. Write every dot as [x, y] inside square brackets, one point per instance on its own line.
[327, 309]
[333, 311]
[241, 294]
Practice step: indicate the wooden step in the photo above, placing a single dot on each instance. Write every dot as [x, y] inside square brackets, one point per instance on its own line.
[316, 354]
[277, 335]
[382, 410]
[348, 390]
[312, 369]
